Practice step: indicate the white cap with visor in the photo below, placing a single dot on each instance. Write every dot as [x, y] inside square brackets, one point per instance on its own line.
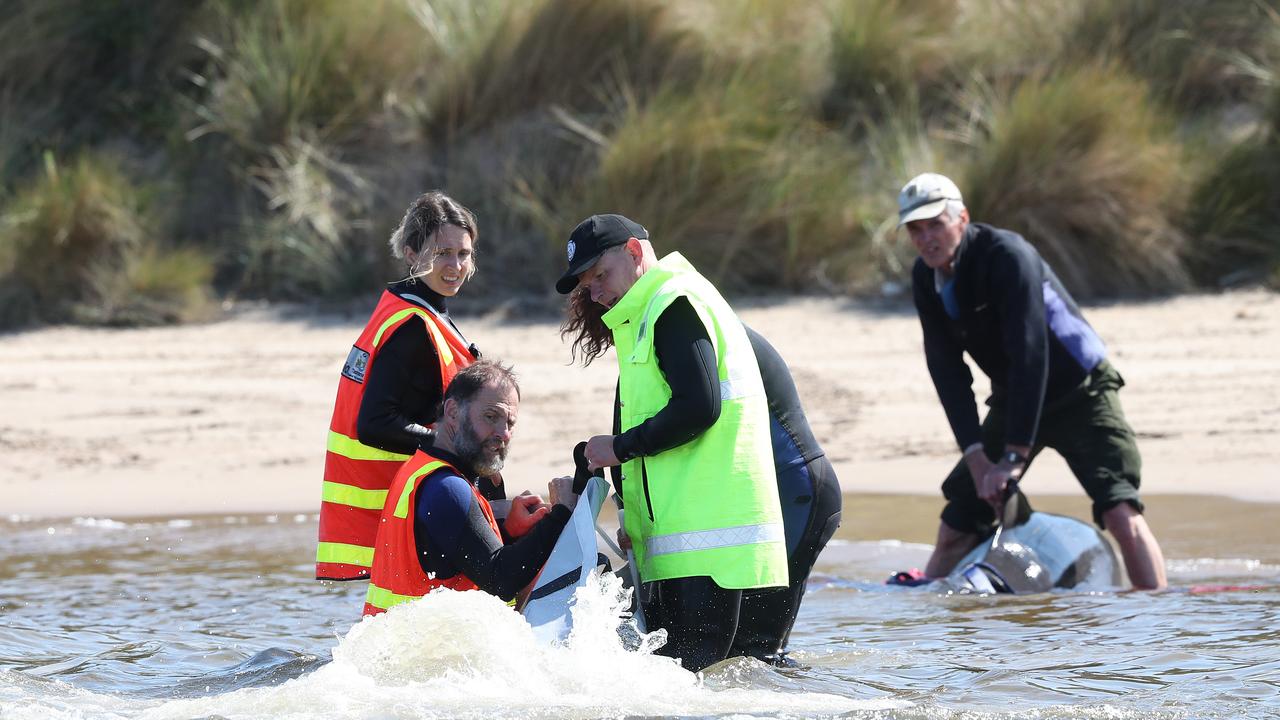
[925, 197]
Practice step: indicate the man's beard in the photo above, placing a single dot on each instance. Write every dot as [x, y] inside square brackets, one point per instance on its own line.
[471, 448]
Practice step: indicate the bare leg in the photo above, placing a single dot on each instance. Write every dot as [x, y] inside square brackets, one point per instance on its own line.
[951, 547]
[1142, 556]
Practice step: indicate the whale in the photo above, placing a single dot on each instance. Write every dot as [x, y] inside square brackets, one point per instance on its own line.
[1042, 552]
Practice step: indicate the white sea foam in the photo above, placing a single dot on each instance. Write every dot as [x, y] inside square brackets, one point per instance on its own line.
[460, 655]
[1194, 568]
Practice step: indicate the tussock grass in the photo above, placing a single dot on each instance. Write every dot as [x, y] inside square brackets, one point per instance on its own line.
[154, 287]
[754, 198]
[1192, 53]
[1084, 166]
[1234, 211]
[312, 241]
[578, 53]
[288, 68]
[1234, 215]
[80, 244]
[83, 71]
[293, 88]
[765, 139]
[884, 53]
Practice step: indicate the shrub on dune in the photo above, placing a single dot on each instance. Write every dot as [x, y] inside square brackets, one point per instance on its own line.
[754, 198]
[1084, 167]
[281, 69]
[577, 53]
[77, 71]
[1193, 53]
[312, 238]
[77, 244]
[1234, 211]
[885, 53]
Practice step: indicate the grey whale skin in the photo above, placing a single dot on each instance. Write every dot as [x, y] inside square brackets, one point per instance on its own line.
[1047, 551]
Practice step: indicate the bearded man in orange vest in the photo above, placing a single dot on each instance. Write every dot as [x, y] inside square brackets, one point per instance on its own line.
[437, 530]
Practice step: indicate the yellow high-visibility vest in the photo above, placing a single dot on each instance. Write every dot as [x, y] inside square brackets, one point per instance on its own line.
[708, 507]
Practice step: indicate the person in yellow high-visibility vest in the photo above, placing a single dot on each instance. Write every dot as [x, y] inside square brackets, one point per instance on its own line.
[697, 479]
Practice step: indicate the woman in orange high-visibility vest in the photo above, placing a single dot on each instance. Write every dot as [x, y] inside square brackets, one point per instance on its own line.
[393, 380]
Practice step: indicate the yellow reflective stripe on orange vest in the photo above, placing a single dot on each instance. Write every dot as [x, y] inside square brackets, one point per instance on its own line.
[402, 503]
[331, 552]
[446, 355]
[440, 343]
[395, 318]
[383, 598]
[349, 447]
[351, 495]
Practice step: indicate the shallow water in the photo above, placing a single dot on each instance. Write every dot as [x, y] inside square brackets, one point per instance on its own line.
[217, 617]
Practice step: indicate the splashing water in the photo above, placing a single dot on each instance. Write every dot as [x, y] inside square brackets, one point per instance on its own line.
[469, 655]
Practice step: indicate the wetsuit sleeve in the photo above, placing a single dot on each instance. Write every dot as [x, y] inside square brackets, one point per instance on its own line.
[687, 359]
[405, 367]
[615, 472]
[945, 357]
[457, 530]
[1017, 278]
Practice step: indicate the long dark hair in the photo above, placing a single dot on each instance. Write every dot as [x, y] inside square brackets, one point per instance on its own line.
[591, 337]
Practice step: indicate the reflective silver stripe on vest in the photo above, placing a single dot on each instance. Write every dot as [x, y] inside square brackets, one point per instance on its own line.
[732, 389]
[741, 380]
[712, 539]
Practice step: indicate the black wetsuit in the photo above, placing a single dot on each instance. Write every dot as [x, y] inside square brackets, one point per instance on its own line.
[706, 622]
[811, 509]
[1051, 383]
[452, 535]
[402, 392]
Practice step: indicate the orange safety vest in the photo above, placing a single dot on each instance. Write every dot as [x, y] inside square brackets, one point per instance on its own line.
[397, 574]
[356, 476]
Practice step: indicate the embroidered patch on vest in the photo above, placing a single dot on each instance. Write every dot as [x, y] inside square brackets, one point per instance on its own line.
[356, 364]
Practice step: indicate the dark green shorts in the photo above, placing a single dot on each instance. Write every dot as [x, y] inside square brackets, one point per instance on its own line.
[1087, 427]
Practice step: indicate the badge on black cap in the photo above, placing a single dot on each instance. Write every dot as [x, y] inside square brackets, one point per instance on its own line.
[593, 236]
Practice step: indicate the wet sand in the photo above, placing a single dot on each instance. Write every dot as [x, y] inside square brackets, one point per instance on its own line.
[232, 416]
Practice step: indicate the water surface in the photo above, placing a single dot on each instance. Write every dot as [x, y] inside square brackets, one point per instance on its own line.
[217, 617]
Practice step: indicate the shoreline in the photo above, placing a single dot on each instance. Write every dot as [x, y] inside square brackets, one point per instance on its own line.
[230, 417]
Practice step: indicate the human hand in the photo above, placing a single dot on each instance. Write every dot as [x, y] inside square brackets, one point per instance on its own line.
[526, 510]
[624, 540]
[991, 487]
[978, 464]
[561, 491]
[599, 452]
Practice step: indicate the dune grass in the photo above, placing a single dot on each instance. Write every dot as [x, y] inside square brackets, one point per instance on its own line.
[77, 73]
[284, 68]
[1084, 165]
[577, 53]
[1130, 140]
[1194, 54]
[885, 53]
[713, 175]
[1234, 211]
[81, 244]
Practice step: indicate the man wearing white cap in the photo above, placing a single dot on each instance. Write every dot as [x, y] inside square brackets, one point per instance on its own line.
[986, 291]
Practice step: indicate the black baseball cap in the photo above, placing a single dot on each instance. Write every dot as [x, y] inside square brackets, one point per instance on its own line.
[590, 239]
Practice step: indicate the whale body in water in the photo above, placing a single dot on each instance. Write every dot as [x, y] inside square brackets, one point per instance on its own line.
[1044, 552]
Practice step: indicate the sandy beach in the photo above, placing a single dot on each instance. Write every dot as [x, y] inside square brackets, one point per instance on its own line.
[231, 417]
